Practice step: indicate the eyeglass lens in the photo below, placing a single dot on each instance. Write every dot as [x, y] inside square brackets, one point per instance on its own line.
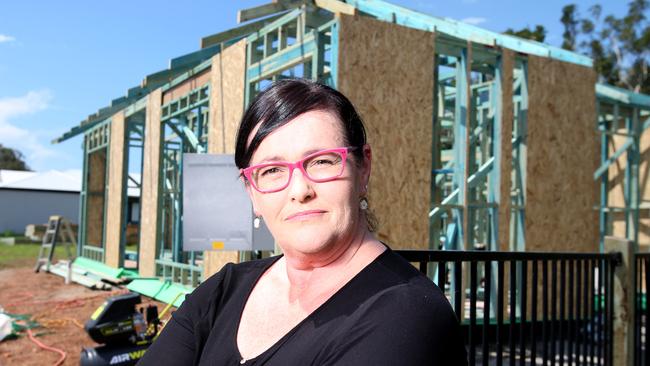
[319, 167]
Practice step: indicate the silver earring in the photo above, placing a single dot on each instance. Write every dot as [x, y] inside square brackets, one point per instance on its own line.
[256, 222]
[363, 203]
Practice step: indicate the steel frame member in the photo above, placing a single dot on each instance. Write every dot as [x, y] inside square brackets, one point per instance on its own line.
[95, 141]
[185, 130]
[301, 43]
[623, 116]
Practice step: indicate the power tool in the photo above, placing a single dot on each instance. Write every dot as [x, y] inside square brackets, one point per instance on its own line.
[124, 331]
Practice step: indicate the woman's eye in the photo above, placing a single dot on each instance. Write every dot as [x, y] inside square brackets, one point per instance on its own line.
[324, 162]
[270, 171]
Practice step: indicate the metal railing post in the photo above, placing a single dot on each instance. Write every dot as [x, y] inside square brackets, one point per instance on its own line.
[623, 307]
[575, 322]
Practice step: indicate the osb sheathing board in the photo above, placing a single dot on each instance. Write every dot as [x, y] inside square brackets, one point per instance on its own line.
[563, 153]
[115, 198]
[227, 85]
[95, 198]
[151, 186]
[507, 115]
[185, 87]
[616, 197]
[387, 72]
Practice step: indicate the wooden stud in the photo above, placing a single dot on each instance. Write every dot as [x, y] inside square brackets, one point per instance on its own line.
[151, 186]
[227, 86]
[115, 198]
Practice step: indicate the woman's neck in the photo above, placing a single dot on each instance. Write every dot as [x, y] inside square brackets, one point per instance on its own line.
[310, 277]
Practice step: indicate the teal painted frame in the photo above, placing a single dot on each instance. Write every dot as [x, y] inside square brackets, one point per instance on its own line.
[311, 43]
[520, 155]
[134, 131]
[184, 129]
[95, 139]
[611, 102]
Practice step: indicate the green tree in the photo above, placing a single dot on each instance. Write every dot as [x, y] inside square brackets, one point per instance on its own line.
[12, 159]
[570, 27]
[538, 34]
[620, 47]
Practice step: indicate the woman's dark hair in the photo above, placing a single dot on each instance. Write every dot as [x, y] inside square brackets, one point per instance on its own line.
[285, 100]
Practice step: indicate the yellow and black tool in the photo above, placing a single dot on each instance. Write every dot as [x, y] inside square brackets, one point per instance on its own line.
[124, 331]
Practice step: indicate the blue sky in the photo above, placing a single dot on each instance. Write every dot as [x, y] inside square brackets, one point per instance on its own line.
[62, 60]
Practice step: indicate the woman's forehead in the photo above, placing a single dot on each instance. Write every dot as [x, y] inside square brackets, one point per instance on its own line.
[309, 132]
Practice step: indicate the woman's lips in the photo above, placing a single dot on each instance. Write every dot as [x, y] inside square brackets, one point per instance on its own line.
[304, 215]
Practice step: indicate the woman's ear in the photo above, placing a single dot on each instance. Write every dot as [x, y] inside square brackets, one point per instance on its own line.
[251, 196]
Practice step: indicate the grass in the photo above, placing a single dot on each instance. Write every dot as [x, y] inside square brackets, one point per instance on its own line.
[24, 253]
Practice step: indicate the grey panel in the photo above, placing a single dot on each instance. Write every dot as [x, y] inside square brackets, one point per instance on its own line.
[216, 207]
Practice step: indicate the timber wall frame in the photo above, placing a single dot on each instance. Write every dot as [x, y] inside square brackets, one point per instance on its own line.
[93, 193]
[126, 138]
[623, 122]
[107, 152]
[463, 131]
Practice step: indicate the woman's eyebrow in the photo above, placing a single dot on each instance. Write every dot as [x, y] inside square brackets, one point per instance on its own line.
[311, 151]
[270, 159]
[275, 158]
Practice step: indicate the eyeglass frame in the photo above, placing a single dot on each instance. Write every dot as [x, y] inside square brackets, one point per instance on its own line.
[246, 172]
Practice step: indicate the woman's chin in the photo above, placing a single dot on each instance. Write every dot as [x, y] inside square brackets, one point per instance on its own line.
[305, 245]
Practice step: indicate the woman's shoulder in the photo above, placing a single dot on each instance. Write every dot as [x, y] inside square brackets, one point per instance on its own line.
[407, 285]
[394, 265]
[393, 308]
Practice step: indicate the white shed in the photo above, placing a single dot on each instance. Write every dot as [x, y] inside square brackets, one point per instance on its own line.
[32, 197]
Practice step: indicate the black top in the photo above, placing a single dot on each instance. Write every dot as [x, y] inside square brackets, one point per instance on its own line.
[388, 314]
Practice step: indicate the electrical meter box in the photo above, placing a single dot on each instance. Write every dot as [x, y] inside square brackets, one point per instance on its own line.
[217, 212]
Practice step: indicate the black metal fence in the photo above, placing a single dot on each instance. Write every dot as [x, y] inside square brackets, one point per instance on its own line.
[526, 308]
[642, 310]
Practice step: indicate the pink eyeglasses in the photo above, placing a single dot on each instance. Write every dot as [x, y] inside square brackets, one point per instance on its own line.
[321, 166]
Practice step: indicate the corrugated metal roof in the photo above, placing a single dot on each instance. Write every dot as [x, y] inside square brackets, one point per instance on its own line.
[8, 176]
[51, 180]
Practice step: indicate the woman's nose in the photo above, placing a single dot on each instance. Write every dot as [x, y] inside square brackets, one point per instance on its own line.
[300, 187]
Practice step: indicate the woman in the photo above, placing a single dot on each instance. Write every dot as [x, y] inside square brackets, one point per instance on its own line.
[337, 296]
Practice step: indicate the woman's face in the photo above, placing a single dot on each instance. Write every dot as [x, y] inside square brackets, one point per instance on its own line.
[308, 218]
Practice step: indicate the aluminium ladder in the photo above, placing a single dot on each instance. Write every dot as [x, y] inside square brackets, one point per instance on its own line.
[56, 224]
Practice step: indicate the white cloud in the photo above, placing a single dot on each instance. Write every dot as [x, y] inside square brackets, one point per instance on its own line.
[6, 38]
[32, 102]
[474, 20]
[28, 141]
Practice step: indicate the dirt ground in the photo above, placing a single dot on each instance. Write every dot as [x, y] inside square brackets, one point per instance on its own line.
[61, 309]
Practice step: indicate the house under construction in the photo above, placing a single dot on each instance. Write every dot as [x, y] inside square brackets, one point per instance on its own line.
[480, 140]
